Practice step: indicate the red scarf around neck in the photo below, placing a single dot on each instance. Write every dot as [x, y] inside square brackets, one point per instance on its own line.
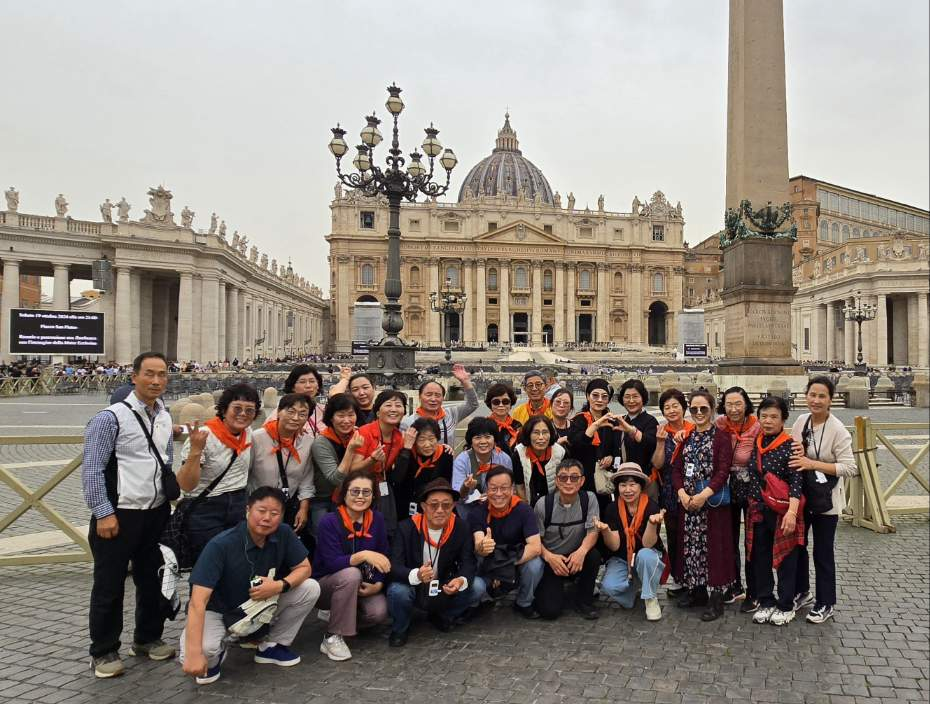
[737, 429]
[349, 524]
[419, 520]
[429, 462]
[507, 425]
[542, 410]
[688, 427]
[331, 434]
[782, 438]
[631, 530]
[440, 414]
[236, 444]
[596, 438]
[539, 461]
[504, 512]
[271, 427]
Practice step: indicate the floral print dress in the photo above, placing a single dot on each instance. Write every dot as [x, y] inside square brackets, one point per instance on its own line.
[699, 464]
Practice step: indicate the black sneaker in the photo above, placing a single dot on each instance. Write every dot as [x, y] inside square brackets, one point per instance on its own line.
[802, 600]
[526, 611]
[748, 606]
[397, 640]
[734, 594]
[587, 611]
[819, 614]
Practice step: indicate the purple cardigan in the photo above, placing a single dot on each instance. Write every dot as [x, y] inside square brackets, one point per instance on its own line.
[333, 548]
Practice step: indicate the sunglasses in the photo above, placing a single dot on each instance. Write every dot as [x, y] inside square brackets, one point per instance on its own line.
[360, 493]
[440, 505]
[500, 401]
[570, 478]
[699, 409]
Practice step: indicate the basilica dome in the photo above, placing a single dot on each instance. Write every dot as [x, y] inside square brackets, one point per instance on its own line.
[506, 172]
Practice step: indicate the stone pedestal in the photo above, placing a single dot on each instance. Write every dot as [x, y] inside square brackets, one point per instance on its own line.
[921, 390]
[757, 293]
[857, 393]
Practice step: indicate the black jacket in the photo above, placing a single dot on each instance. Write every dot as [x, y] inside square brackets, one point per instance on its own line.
[456, 558]
[639, 452]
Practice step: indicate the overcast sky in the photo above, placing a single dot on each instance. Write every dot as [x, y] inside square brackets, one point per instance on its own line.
[229, 104]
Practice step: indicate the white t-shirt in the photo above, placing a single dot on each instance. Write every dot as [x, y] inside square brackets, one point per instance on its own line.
[213, 461]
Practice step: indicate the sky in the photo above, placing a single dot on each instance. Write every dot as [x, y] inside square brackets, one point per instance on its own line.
[229, 103]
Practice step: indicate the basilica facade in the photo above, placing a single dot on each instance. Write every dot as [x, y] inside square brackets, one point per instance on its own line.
[534, 270]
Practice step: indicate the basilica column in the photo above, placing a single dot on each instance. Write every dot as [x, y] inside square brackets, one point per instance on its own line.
[124, 317]
[818, 333]
[135, 278]
[920, 329]
[232, 324]
[537, 304]
[468, 319]
[558, 332]
[434, 336]
[209, 319]
[880, 350]
[185, 316]
[221, 323]
[480, 303]
[146, 315]
[636, 303]
[571, 324]
[503, 333]
[342, 305]
[9, 300]
[850, 342]
[603, 296]
[61, 294]
[830, 332]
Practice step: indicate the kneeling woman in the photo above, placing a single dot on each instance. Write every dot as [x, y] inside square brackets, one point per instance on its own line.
[351, 563]
[774, 529]
[631, 532]
[699, 474]
[422, 460]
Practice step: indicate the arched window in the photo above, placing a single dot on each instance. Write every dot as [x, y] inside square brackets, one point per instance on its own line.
[845, 233]
[835, 231]
[521, 278]
[414, 276]
[856, 233]
[492, 279]
[584, 280]
[824, 230]
[452, 276]
[618, 281]
[547, 280]
[368, 275]
[658, 282]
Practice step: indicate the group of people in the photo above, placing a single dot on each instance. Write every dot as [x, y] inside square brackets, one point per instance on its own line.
[367, 513]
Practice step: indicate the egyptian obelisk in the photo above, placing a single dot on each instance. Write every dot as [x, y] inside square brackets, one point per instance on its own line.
[757, 241]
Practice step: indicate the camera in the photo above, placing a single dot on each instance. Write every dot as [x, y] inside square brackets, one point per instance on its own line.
[255, 582]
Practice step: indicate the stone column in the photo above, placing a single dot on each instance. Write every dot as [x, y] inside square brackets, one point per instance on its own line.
[124, 317]
[209, 320]
[602, 328]
[636, 304]
[880, 351]
[160, 308]
[61, 295]
[233, 314]
[558, 331]
[503, 280]
[913, 340]
[480, 303]
[434, 330]
[830, 332]
[468, 319]
[341, 306]
[136, 313]
[819, 331]
[9, 301]
[221, 323]
[536, 327]
[185, 316]
[146, 313]
[850, 338]
[196, 305]
[923, 358]
[247, 325]
[571, 324]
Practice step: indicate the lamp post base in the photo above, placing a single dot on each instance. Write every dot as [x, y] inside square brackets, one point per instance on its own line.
[392, 365]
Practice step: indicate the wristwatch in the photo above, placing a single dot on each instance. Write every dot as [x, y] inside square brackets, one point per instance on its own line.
[286, 586]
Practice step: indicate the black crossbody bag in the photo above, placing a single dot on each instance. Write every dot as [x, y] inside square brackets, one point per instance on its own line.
[169, 482]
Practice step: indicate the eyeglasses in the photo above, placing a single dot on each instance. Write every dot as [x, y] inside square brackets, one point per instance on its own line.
[599, 397]
[695, 410]
[632, 397]
[500, 489]
[735, 404]
[360, 493]
[569, 478]
[540, 433]
[440, 505]
[535, 386]
[500, 401]
[293, 412]
[240, 411]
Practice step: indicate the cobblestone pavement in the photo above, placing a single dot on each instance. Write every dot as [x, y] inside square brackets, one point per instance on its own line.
[875, 651]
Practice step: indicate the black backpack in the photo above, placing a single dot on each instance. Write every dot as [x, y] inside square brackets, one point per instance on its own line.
[550, 505]
[819, 494]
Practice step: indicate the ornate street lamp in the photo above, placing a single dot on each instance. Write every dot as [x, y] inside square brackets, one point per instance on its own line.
[444, 302]
[859, 313]
[392, 359]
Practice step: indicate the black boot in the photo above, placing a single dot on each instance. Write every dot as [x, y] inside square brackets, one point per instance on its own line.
[714, 608]
[693, 597]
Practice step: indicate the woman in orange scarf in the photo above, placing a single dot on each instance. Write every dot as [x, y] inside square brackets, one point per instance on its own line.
[539, 457]
[591, 438]
[422, 460]
[216, 460]
[500, 399]
[735, 418]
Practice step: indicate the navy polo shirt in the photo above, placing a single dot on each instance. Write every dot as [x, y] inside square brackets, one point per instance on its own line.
[230, 560]
[514, 529]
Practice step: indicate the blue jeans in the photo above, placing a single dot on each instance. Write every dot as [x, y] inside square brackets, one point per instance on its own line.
[529, 575]
[401, 598]
[617, 583]
[212, 516]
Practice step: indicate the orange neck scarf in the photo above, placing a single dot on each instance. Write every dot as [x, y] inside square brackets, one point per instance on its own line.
[596, 438]
[271, 427]
[738, 430]
[782, 438]
[630, 530]
[419, 520]
[508, 426]
[438, 416]
[331, 434]
[430, 462]
[349, 524]
[688, 427]
[504, 512]
[541, 411]
[236, 444]
[539, 461]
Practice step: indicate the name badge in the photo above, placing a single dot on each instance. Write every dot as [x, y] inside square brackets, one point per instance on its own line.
[383, 489]
[690, 468]
[434, 588]
[413, 508]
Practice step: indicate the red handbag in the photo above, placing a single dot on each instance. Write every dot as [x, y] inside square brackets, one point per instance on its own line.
[775, 495]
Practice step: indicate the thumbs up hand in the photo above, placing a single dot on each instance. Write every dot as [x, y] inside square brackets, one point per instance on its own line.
[487, 544]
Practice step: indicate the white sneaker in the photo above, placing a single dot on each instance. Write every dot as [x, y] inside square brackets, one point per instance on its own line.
[802, 600]
[653, 610]
[819, 614]
[782, 618]
[763, 614]
[335, 648]
[322, 614]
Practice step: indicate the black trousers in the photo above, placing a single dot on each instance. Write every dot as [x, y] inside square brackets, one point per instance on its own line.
[136, 542]
[763, 586]
[550, 594]
[736, 513]
[824, 529]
